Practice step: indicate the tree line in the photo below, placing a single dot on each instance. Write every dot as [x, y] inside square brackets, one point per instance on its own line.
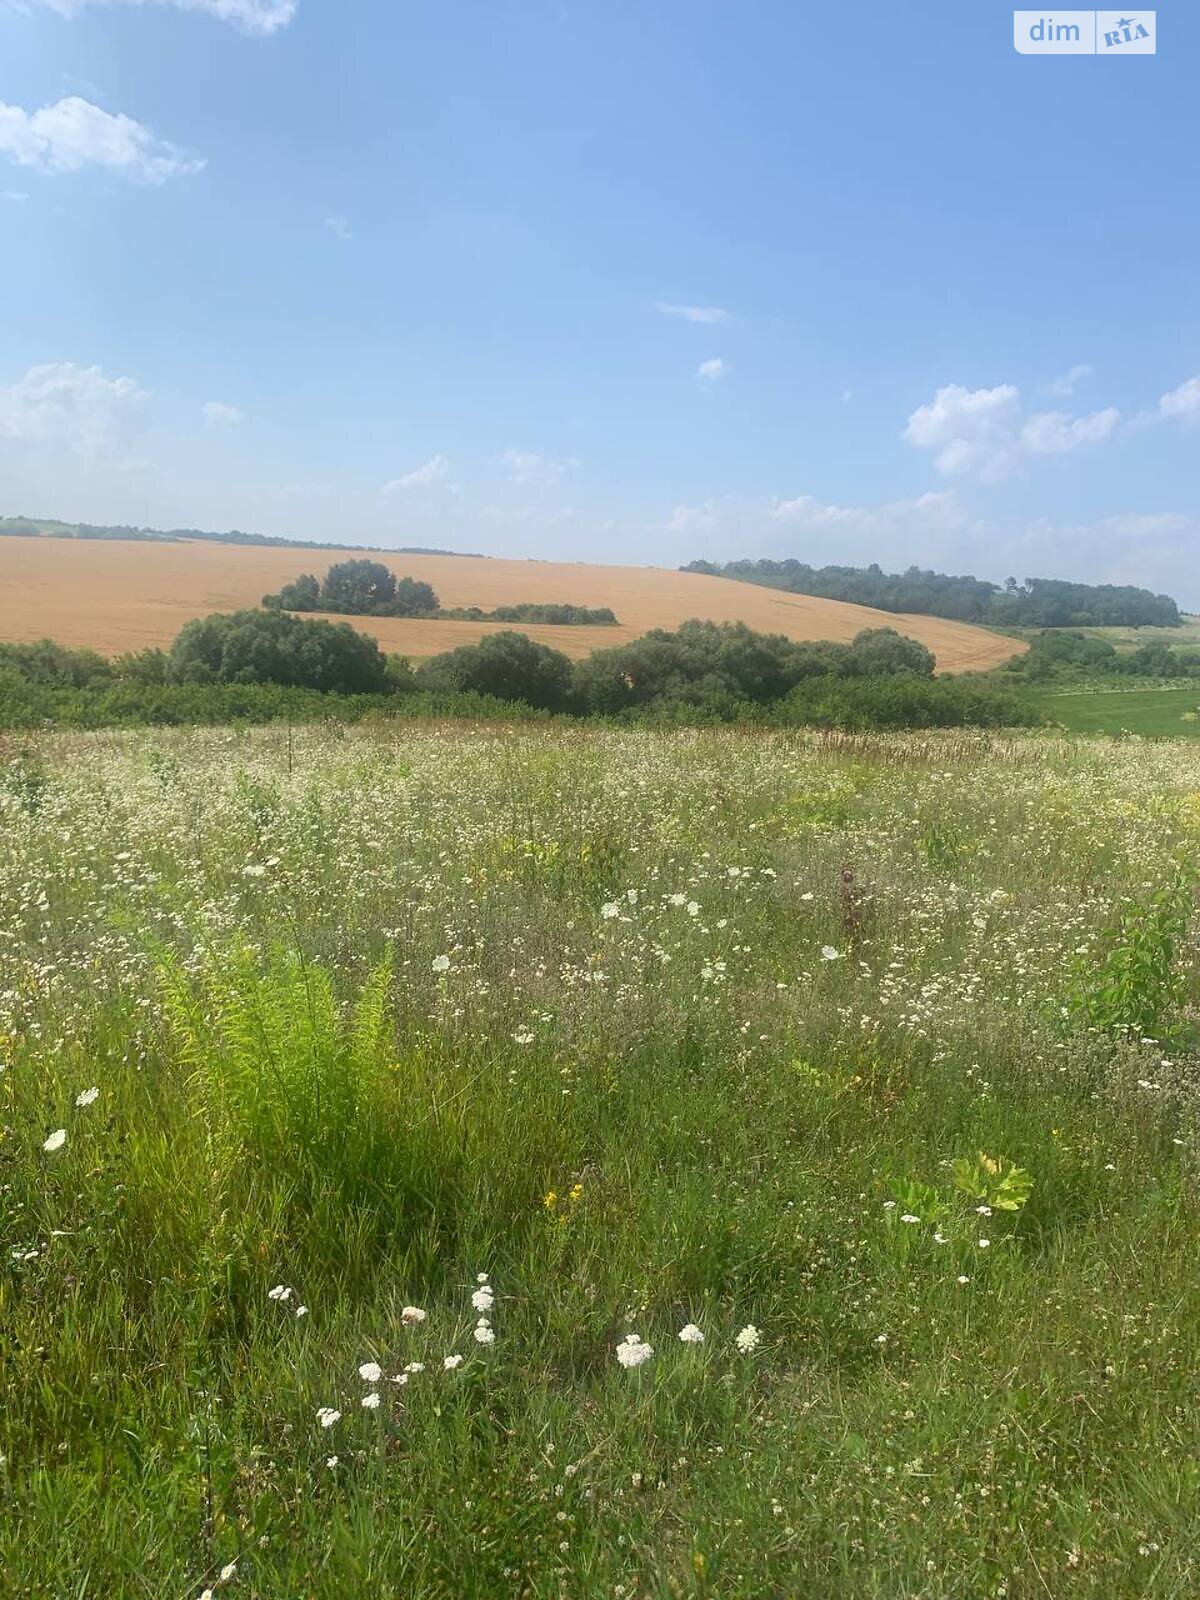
[702, 671]
[1070, 656]
[1036, 603]
[361, 588]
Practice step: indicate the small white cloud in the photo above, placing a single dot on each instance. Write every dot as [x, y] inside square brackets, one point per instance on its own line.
[15, 195]
[935, 511]
[530, 467]
[1055, 433]
[433, 471]
[68, 407]
[73, 134]
[693, 519]
[216, 411]
[711, 370]
[1064, 386]
[261, 17]
[1183, 402]
[693, 313]
[339, 227]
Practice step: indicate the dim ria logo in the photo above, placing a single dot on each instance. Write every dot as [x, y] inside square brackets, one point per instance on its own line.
[1084, 33]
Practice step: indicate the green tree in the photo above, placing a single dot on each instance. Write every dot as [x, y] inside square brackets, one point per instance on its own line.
[412, 598]
[358, 587]
[273, 647]
[509, 666]
[881, 652]
[303, 594]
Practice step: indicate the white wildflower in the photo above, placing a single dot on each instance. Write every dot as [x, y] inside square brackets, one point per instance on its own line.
[828, 953]
[56, 1140]
[370, 1402]
[327, 1416]
[228, 1571]
[610, 909]
[484, 1332]
[691, 1334]
[632, 1351]
[450, 1363]
[411, 1316]
[87, 1098]
[483, 1299]
[749, 1339]
[279, 1292]
[441, 963]
[370, 1372]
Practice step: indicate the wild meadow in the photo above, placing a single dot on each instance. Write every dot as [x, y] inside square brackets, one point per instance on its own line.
[548, 1161]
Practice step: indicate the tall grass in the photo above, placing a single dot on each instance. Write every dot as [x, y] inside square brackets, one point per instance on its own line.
[883, 1048]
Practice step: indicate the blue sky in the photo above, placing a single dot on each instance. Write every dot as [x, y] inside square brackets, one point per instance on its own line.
[621, 281]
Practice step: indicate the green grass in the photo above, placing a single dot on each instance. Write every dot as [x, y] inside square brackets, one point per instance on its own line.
[1158, 713]
[599, 1015]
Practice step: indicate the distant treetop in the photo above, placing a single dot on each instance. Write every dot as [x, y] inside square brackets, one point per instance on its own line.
[1037, 603]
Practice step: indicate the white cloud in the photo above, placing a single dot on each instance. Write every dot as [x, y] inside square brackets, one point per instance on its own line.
[528, 467]
[251, 16]
[971, 429]
[711, 370]
[73, 134]
[1183, 402]
[693, 519]
[938, 510]
[63, 406]
[693, 313]
[983, 432]
[839, 531]
[1054, 432]
[1064, 386]
[339, 227]
[16, 195]
[223, 415]
[433, 471]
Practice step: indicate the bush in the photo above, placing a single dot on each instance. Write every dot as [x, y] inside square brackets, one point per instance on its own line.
[905, 700]
[708, 663]
[273, 647]
[509, 666]
[47, 662]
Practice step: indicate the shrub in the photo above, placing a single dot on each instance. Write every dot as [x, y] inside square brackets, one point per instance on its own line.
[708, 663]
[47, 662]
[273, 647]
[509, 666]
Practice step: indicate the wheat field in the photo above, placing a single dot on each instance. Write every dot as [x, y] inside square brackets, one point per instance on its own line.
[118, 595]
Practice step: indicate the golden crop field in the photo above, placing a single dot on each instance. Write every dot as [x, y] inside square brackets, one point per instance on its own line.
[118, 595]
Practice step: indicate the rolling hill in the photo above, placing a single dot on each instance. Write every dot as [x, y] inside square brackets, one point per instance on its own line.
[118, 595]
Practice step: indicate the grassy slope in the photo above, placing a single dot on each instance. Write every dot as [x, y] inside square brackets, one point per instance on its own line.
[1169, 713]
[635, 1018]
